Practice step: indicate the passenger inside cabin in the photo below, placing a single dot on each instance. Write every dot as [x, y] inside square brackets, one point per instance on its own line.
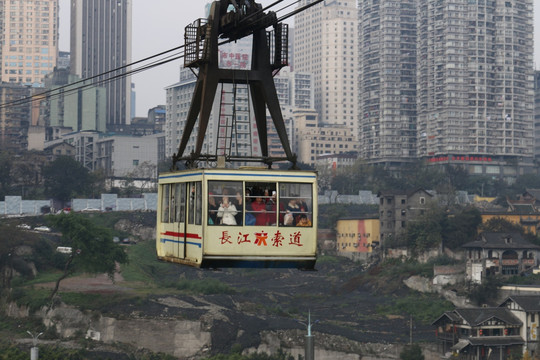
[291, 213]
[226, 212]
[303, 220]
[239, 203]
[212, 209]
[271, 207]
[259, 209]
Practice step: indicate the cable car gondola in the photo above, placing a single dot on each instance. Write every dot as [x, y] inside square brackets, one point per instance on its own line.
[236, 217]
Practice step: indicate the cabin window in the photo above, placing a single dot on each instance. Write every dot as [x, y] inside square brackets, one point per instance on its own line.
[165, 203]
[178, 202]
[261, 203]
[195, 203]
[225, 203]
[295, 204]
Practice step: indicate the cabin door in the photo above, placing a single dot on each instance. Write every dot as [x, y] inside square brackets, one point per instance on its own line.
[193, 232]
[178, 203]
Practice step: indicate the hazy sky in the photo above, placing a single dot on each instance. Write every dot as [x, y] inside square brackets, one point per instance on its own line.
[158, 26]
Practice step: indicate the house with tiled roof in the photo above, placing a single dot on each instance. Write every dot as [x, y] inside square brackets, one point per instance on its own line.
[499, 254]
[533, 194]
[524, 211]
[527, 309]
[484, 333]
[479, 333]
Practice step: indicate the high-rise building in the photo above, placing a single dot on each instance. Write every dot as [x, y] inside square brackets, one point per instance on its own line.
[29, 46]
[101, 42]
[326, 45]
[295, 92]
[537, 115]
[387, 81]
[475, 84]
[157, 117]
[14, 119]
[447, 81]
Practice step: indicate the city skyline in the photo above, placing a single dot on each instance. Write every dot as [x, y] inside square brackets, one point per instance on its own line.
[169, 17]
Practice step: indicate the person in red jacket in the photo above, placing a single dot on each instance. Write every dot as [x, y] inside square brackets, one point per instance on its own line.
[259, 210]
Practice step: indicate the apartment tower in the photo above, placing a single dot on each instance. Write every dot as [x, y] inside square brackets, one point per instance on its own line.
[29, 46]
[387, 81]
[326, 45]
[100, 44]
[537, 115]
[475, 87]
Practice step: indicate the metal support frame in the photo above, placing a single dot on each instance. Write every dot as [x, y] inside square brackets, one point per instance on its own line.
[259, 78]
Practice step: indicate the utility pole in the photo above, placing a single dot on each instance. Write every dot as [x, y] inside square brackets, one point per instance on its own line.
[410, 330]
[309, 346]
[34, 351]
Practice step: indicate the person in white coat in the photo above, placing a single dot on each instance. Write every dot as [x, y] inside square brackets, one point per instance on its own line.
[226, 212]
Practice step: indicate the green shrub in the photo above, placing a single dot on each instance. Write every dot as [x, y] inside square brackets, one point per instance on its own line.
[422, 307]
[86, 301]
[10, 352]
[411, 352]
[35, 299]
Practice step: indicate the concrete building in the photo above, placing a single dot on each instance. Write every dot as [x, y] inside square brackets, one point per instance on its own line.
[101, 42]
[336, 161]
[80, 109]
[537, 115]
[29, 44]
[312, 139]
[357, 237]
[475, 85]
[326, 45]
[295, 92]
[178, 100]
[157, 116]
[117, 156]
[397, 209]
[123, 156]
[387, 81]
[15, 118]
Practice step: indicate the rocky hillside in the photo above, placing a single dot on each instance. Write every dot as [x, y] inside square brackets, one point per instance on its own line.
[189, 312]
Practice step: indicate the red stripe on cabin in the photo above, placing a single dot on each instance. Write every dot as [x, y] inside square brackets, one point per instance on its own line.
[177, 234]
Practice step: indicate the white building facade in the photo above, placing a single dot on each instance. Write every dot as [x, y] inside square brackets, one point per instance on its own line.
[326, 45]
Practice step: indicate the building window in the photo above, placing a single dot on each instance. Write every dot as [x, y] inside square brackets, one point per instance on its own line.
[135, 162]
[422, 200]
